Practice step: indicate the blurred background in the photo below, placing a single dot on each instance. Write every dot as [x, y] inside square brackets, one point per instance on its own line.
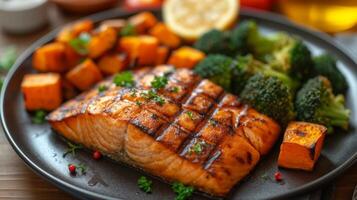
[24, 21]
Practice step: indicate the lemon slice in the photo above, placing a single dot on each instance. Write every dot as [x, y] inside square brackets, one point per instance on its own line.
[191, 18]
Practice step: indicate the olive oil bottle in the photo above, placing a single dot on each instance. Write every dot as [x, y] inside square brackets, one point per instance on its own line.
[327, 15]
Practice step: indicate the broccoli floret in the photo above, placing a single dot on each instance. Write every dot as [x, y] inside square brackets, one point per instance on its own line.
[217, 68]
[246, 38]
[247, 66]
[215, 42]
[325, 65]
[269, 96]
[316, 103]
[294, 59]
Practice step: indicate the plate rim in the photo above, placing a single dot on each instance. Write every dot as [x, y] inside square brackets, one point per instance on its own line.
[117, 12]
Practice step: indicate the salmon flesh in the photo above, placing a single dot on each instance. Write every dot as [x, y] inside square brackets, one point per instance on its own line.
[199, 135]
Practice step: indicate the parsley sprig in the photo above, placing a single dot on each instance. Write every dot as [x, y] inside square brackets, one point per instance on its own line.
[145, 184]
[127, 30]
[80, 43]
[81, 167]
[102, 88]
[159, 82]
[152, 95]
[39, 117]
[124, 79]
[182, 191]
[190, 115]
[71, 149]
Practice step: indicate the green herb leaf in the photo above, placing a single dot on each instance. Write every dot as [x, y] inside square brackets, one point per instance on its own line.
[39, 117]
[145, 184]
[190, 115]
[152, 95]
[174, 89]
[182, 191]
[80, 43]
[138, 103]
[124, 79]
[82, 167]
[127, 30]
[102, 88]
[159, 82]
[8, 58]
[71, 149]
[213, 122]
[1, 83]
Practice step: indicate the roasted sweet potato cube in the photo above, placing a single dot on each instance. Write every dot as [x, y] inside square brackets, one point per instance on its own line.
[69, 91]
[72, 31]
[301, 146]
[161, 55]
[147, 50]
[129, 45]
[102, 42]
[143, 48]
[186, 57]
[113, 63]
[142, 21]
[42, 91]
[50, 58]
[117, 24]
[84, 75]
[165, 36]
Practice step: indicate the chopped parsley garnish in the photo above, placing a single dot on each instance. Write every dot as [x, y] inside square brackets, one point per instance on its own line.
[159, 82]
[102, 88]
[8, 58]
[145, 184]
[138, 103]
[133, 92]
[80, 43]
[213, 122]
[152, 95]
[124, 79]
[190, 115]
[71, 149]
[198, 147]
[174, 89]
[39, 117]
[127, 30]
[81, 167]
[182, 191]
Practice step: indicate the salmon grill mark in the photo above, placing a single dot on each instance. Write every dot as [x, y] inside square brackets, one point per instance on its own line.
[211, 160]
[249, 158]
[148, 122]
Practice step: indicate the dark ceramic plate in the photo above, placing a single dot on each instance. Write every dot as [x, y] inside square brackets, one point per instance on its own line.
[42, 149]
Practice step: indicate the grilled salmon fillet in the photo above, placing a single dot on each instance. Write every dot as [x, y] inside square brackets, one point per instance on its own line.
[200, 136]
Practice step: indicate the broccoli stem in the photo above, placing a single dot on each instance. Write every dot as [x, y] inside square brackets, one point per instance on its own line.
[335, 111]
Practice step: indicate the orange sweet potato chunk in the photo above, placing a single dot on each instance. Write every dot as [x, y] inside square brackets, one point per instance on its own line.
[42, 91]
[301, 146]
[113, 63]
[186, 57]
[84, 75]
[165, 36]
[147, 50]
[102, 42]
[50, 58]
[142, 21]
[141, 48]
[72, 31]
[161, 55]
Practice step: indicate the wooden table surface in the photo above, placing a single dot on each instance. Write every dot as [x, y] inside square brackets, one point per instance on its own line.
[17, 181]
